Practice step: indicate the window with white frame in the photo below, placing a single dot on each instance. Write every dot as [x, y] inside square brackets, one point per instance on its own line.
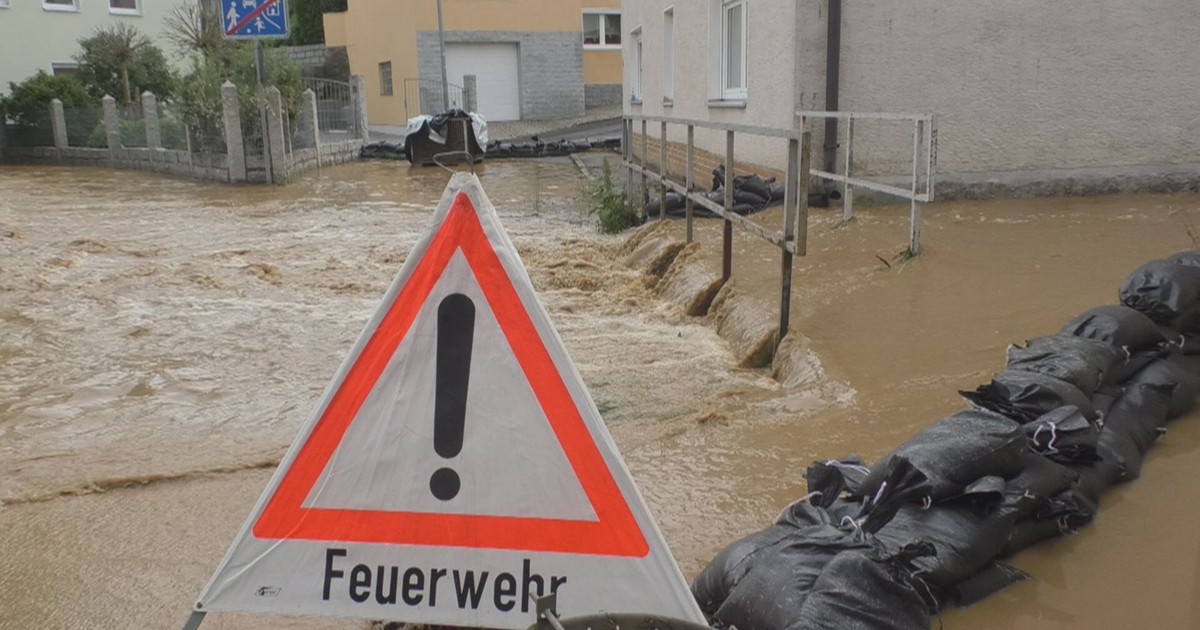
[385, 78]
[635, 91]
[3, 4]
[60, 5]
[668, 76]
[125, 7]
[65, 68]
[601, 29]
[727, 50]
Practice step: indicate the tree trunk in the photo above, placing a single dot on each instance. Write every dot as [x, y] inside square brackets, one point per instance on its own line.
[126, 97]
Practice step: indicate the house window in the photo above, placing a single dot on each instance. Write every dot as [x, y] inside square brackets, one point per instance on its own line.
[635, 91]
[60, 5]
[125, 7]
[385, 78]
[3, 4]
[668, 76]
[733, 49]
[60, 69]
[601, 29]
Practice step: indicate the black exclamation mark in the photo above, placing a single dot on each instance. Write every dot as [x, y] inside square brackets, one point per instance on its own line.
[455, 334]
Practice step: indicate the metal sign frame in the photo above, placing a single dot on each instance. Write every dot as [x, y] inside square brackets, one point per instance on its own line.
[229, 11]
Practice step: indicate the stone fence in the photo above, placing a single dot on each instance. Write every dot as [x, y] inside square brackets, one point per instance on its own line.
[285, 152]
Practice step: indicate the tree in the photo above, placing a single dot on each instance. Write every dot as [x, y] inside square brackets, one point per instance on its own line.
[305, 19]
[117, 57]
[28, 102]
[195, 30]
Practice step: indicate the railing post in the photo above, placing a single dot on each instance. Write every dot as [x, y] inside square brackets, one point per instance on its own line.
[645, 165]
[790, 195]
[150, 121]
[469, 86]
[58, 124]
[848, 190]
[662, 172]
[689, 178]
[231, 119]
[112, 127]
[914, 246]
[930, 155]
[802, 192]
[727, 235]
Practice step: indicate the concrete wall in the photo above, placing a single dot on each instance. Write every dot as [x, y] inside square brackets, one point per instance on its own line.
[312, 56]
[32, 38]
[375, 31]
[1079, 93]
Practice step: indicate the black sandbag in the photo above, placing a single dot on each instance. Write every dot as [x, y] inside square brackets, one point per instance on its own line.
[1140, 414]
[770, 595]
[1063, 435]
[1172, 370]
[754, 185]
[966, 532]
[1026, 396]
[865, 590]
[1118, 325]
[1038, 482]
[829, 479]
[674, 202]
[1060, 515]
[1097, 477]
[988, 581]
[749, 198]
[954, 452]
[1084, 363]
[1162, 289]
[777, 190]
[1190, 258]
[713, 584]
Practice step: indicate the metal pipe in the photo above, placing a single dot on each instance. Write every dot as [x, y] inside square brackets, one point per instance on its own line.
[833, 64]
[442, 52]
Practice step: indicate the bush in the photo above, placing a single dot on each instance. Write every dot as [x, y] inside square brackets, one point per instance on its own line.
[610, 205]
[107, 51]
[28, 102]
[200, 95]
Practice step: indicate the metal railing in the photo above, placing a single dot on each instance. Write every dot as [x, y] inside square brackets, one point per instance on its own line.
[336, 112]
[423, 96]
[791, 240]
[924, 145]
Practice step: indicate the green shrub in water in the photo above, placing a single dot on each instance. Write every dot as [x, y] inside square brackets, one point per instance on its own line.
[610, 205]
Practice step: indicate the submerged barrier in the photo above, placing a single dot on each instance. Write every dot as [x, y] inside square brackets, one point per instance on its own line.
[890, 544]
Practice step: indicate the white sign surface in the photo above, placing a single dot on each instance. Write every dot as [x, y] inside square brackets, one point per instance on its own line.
[456, 465]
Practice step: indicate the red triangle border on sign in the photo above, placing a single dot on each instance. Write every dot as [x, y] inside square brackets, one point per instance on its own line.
[614, 533]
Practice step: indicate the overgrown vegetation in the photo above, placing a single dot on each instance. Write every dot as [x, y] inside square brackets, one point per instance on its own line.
[120, 61]
[28, 102]
[305, 22]
[610, 204]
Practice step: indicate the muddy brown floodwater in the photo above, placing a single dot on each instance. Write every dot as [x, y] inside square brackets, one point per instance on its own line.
[161, 341]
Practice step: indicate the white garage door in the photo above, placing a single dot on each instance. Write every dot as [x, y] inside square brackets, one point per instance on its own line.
[495, 70]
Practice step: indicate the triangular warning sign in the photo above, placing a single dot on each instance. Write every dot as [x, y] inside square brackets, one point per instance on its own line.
[456, 466]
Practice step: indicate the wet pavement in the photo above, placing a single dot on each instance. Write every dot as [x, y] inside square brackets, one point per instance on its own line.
[161, 340]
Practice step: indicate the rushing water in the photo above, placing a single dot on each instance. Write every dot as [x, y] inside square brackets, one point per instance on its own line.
[161, 340]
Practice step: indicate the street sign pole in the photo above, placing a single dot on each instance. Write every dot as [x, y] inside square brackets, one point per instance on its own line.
[442, 52]
[261, 72]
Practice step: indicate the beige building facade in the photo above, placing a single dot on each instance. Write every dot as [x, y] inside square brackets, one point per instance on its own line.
[530, 59]
[1023, 91]
[44, 34]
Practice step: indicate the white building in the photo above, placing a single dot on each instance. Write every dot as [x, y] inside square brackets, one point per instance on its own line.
[44, 34]
[1030, 96]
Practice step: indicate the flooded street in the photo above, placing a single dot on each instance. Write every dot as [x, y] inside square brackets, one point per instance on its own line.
[162, 340]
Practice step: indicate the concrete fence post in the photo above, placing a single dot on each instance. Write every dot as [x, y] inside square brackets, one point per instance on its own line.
[231, 120]
[3, 132]
[58, 122]
[150, 120]
[469, 87]
[275, 131]
[309, 129]
[112, 126]
[358, 96]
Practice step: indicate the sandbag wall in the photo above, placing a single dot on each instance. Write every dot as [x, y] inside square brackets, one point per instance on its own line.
[1071, 415]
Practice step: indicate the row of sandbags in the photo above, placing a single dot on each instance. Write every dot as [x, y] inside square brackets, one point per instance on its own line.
[887, 545]
[751, 194]
[396, 150]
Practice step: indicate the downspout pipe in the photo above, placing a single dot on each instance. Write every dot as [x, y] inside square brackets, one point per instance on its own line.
[833, 64]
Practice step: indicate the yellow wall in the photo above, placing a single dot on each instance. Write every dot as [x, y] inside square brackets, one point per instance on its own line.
[374, 31]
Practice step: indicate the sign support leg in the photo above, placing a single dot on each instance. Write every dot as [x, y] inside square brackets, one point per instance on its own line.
[194, 620]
